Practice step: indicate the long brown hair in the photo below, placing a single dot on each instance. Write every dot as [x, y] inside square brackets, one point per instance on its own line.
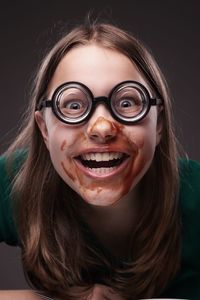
[56, 248]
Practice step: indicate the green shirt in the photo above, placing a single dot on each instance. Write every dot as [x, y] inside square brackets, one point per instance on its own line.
[186, 284]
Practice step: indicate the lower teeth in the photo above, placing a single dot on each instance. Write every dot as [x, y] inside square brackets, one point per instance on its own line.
[102, 170]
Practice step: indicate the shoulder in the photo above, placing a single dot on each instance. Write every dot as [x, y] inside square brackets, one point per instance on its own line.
[12, 162]
[190, 212]
[186, 283]
[189, 171]
[8, 169]
[9, 166]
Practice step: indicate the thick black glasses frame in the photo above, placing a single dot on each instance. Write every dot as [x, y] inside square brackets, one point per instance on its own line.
[54, 102]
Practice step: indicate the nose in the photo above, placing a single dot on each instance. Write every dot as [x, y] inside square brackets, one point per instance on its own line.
[102, 130]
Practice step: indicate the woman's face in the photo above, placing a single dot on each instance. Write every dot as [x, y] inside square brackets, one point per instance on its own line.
[85, 155]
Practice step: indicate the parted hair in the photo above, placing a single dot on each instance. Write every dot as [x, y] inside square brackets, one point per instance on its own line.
[57, 252]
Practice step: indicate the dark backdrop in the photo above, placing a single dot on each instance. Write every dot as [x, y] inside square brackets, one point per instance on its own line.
[28, 28]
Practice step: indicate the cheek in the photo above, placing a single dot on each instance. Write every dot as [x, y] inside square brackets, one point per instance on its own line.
[145, 134]
[68, 171]
[145, 142]
[62, 138]
[136, 137]
[63, 147]
[61, 141]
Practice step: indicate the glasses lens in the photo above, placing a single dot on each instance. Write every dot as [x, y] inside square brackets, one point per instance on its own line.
[128, 101]
[73, 102]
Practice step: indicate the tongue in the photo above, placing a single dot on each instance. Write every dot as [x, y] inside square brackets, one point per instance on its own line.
[101, 164]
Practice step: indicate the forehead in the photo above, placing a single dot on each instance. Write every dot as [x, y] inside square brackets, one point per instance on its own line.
[97, 67]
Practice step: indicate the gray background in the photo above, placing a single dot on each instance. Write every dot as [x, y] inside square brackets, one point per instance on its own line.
[28, 28]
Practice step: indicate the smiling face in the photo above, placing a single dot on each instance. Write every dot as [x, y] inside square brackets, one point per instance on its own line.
[101, 159]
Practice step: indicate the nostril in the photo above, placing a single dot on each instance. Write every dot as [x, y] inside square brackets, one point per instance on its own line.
[94, 136]
[109, 136]
[102, 138]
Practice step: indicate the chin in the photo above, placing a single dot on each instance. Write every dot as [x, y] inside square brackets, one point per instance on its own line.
[100, 199]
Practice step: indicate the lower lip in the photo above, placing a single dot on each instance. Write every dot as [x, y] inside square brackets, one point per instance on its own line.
[95, 175]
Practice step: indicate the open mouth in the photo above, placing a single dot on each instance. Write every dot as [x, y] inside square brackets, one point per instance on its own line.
[102, 162]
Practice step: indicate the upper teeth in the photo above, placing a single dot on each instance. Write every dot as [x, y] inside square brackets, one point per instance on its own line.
[102, 156]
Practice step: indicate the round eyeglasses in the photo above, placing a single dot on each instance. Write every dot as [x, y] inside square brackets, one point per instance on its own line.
[128, 102]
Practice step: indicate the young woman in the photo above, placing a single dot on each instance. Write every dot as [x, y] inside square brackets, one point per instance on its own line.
[92, 188]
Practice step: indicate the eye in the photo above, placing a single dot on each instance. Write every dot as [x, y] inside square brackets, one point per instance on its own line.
[128, 106]
[74, 105]
[73, 102]
[127, 103]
